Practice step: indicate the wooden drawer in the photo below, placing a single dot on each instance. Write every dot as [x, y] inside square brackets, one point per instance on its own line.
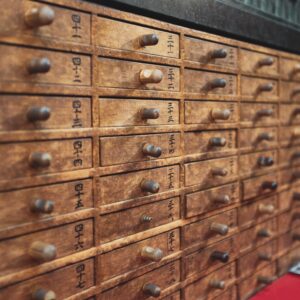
[289, 91]
[39, 247]
[137, 112]
[290, 176]
[257, 235]
[289, 198]
[257, 259]
[210, 53]
[138, 219]
[20, 20]
[289, 220]
[116, 73]
[258, 63]
[258, 114]
[161, 278]
[259, 89]
[258, 186]
[207, 287]
[210, 258]
[258, 138]
[289, 69]
[174, 296]
[289, 114]
[32, 66]
[42, 203]
[43, 112]
[130, 185]
[288, 240]
[260, 162]
[198, 142]
[211, 173]
[289, 135]
[139, 255]
[201, 202]
[126, 149]
[209, 82]
[285, 262]
[44, 157]
[289, 156]
[209, 112]
[64, 282]
[205, 232]
[258, 211]
[230, 294]
[116, 34]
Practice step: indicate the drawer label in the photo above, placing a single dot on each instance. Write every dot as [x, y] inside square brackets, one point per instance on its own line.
[171, 206]
[76, 26]
[171, 241]
[170, 44]
[78, 150]
[76, 60]
[170, 112]
[172, 274]
[171, 175]
[172, 143]
[79, 232]
[77, 121]
[78, 194]
[80, 275]
[171, 79]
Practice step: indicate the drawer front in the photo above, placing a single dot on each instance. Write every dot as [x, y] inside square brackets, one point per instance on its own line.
[257, 162]
[209, 82]
[64, 282]
[162, 277]
[35, 158]
[258, 63]
[210, 258]
[130, 185]
[114, 73]
[204, 201]
[63, 68]
[202, 232]
[258, 114]
[18, 17]
[289, 220]
[259, 89]
[289, 156]
[287, 241]
[210, 141]
[42, 112]
[257, 259]
[289, 114]
[230, 294]
[115, 34]
[134, 112]
[289, 69]
[205, 52]
[174, 296]
[257, 186]
[209, 112]
[138, 219]
[204, 288]
[211, 173]
[289, 199]
[258, 138]
[289, 135]
[36, 248]
[290, 176]
[133, 257]
[42, 203]
[289, 91]
[285, 262]
[126, 149]
[258, 211]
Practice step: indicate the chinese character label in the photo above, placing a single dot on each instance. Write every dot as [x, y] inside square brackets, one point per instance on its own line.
[80, 272]
[78, 194]
[78, 149]
[77, 121]
[79, 244]
[76, 69]
[172, 143]
[171, 78]
[170, 112]
[76, 26]
[170, 43]
[171, 175]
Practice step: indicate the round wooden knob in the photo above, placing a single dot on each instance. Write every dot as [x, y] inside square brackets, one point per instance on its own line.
[265, 161]
[42, 252]
[221, 229]
[269, 185]
[152, 290]
[217, 142]
[222, 199]
[296, 196]
[151, 76]
[39, 65]
[295, 70]
[296, 133]
[295, 92]
[219, 172]
[295, 155]
[296, 175]
[146, 219]
[42, 294]
[217, 284]
[264, 256]
[220, 114]
[38, 113]
[153, 254]
[265, 136]
[296, 111]
[296, 237]
[221, 256]
[42, 206]
[151, 150]
[264, 233]
[40, 160]
[217, 83]
[149, 40]
[266, 209]
[268, 112]
[150, 113]
[39, 16]
[265, 279]
[150, 186]
[266, 87]
[218, 53]
[267, 61]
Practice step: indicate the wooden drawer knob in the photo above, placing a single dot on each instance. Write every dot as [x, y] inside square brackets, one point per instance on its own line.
[150, 186]
[151, 150]
[152, 290]
[296, 237]
[42, 294]
[266, 209]
[40, 160]
[295, 155]
[151, 76]
[221, 256]
[146, 219]
[153, 254]
[268, 112]
[265, 279]
[220, 114]
[296, 196]
[265, 136]
[217, 142]
[221, 229]
[219, 172]
[217, 284]
[39, 16]
[265, 161]
[296, 133]
[150, 113]
[222, 199]
[267, 61]
[296, 69]
[218, 53]
[266, 87]
[149, 40]
[264, 233]
[217, 83]
[42, 206]
[38, 113]
[39, 65]
[269, 185]
[264, 256]
[42, 252]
